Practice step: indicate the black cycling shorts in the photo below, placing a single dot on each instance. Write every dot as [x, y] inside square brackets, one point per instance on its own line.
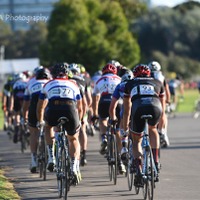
[147, 106]
[32, 116]
[54, 112]
[103, 108]
[17, 104]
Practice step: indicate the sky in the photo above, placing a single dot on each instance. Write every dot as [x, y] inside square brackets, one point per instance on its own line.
[169, 3]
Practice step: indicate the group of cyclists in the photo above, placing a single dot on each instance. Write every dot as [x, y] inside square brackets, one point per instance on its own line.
[115, 95]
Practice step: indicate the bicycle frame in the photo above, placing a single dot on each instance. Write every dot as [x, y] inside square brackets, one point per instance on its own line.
[63, 171]
[112, 154]
[42, 154]
[148, 166]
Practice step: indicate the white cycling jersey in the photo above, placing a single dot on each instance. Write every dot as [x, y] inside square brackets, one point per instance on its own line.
[158, 75]
[106, 84]
[61, 89]
[34, 87]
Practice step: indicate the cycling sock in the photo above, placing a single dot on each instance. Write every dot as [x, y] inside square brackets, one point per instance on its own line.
[155, 155]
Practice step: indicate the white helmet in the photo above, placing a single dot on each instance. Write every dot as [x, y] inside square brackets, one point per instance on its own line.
[154, 66]
[128, 75]
[114, 62]
[20, 76]
[75, 68]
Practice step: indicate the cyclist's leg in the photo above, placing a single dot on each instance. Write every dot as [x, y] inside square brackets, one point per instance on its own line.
[34, 133]
[83, 142]
[49, 135]
[74, 150]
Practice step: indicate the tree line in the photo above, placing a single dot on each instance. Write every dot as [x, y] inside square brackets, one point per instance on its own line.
[91, 32]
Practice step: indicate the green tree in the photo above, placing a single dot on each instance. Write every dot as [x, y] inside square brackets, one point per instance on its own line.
[5, 35]
[173, 33]
[90, 32]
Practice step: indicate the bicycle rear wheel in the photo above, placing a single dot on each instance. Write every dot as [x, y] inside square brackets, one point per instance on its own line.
[149, 185]
[43, 158]
[113, 159]
[66, 174]
[59, 171]
[129, 167]
[22, 140]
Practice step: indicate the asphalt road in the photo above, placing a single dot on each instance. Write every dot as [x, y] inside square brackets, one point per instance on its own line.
[179, 177]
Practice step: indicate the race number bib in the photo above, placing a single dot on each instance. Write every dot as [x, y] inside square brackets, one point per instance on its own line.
[146, 90]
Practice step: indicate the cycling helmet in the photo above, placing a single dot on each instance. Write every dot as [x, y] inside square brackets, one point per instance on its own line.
[109, 68]
[128, 75]
[60, 70]
[154, 66]
[98, 73]
[141, 70]
[114, 62]
[75, 68]
[43, 73]
[20, 76]
[36, 69]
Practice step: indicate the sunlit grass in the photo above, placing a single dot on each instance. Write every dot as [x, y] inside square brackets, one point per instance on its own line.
[7, 191]
[188, 104]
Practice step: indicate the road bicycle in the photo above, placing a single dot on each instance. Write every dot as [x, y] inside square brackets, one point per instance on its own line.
[130, 166]
[63, 162]
[23, 135]
[149, 170]
[42, 155]
[196, 113]
[112, 153]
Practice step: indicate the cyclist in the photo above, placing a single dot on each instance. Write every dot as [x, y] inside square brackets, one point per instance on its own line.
[6, 100]
[156, 73]
[31, 96]
[143, 95]
[17, 101]
[174, 85]
[75, 68]
[125, 74]
[61, 97]
[102, 96]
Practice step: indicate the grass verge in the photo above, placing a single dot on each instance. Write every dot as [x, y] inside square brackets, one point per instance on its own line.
[7, 191]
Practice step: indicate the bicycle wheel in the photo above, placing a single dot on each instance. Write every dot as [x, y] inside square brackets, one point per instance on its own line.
[66, 174]
[59, 172]
[114, 158]
[44, 158]
[129, 167]
[149, 185]
[22, 140]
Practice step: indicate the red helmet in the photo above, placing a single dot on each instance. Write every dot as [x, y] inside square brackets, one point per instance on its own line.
[141, 70]
[109, 68]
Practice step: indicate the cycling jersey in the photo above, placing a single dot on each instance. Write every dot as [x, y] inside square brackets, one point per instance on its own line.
[59, 89]
[32, 94]
[144, 93]
[106, 84]
[18, 94]
[105, 87]
[62, 95]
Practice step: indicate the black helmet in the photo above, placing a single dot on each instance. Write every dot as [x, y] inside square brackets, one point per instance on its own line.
[43, 73]
[60, 69]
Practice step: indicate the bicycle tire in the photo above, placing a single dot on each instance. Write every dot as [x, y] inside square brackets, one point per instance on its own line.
[66, 175]
[149, 185]
[114, 158]
[59, 171]
[44, 158]
[129, 166]
[22, 140]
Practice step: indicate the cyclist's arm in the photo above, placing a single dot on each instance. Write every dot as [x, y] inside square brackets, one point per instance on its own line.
[42, 103]
[167, 92]
[127, 112]
[79, 108]
[95, 102]
[25, 107]
[112, 108]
